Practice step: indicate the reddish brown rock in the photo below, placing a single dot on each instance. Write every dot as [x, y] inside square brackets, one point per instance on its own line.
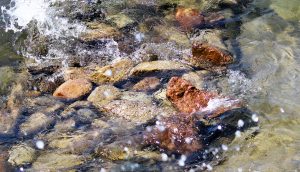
[207, 56]
[188, 18]
[147, 84]
[188, 99]
[73, 89]
[175, 134]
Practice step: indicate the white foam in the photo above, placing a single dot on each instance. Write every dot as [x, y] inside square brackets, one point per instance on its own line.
[216, 103]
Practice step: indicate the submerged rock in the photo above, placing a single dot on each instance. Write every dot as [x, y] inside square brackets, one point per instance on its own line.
[8, 121]
[36, 123]
[188, 18]
[159, 66]
[120, 20]
[207, 56]
[21, 155]
[99, 31]
[73, 89]
[54, 161]
[176, 133]
[112, 73]
[147, 84]
[188, 99]
[103, 95]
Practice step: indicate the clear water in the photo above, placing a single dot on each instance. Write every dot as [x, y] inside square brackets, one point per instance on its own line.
[267, 44]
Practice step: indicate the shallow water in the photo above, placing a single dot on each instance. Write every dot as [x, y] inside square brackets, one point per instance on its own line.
[266, 41]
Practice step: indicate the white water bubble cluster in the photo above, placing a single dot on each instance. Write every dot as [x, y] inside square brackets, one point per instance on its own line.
[254, 118]
[40, 144]
[164, 157]
[182, 160]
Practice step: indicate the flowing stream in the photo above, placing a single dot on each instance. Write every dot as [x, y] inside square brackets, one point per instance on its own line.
[264, 38]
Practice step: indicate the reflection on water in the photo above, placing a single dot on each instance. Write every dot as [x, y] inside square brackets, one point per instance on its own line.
[267, 44]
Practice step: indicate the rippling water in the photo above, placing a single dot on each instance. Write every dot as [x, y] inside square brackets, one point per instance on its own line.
[267, 44]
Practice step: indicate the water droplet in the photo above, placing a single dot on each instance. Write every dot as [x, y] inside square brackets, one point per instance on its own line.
[209, 167]
[188, 140]
[149, 129]
[282, 110]
[126, 149]
[181, 162]
[102, 170]
[219, 127]
[40, 144]
[240, 123]
[240, 170]
[21, 169]
[238, 133]
[254, 118]
[224, 147]
[164, 157]
[108, 73]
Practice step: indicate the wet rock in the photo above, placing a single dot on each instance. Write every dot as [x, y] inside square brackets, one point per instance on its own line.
[65, 126]
[98, 123]
[161, 96]
[113, 153]
[147, 84]
[21, 155]
[120, 20]
[112, 73]
[54, 161]
[177, 133]
[36, 123]
[4, 165]
[209, 36]
[73, 73]
[186, 97]
[44, 104]
[103, 95]
[188, 18]
[135, 111]
[85, 116]
[174, 35]
[158, 66]
[136, 96]
[77, 143]
[99, 31]
[73, 89]
[207, 56]
[71, 110]
[6, 79]
[8, 121]
[195, 78]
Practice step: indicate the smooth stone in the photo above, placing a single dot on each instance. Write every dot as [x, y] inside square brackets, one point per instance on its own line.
[21, 155]
[65, 126]
[73, 73]
[189, 18]
[147, 84]
[8, 121]
[120, 20]
[210, 36]
[85, 116]
[158, 66]
[55, 161]
[208, 57]
[134, 111]
[174, 35]
[195, 78]
[76, 143]
[6, 79]
[99, 31]
[73, 89]
[112, 73]
[36, 123]
[103, 95]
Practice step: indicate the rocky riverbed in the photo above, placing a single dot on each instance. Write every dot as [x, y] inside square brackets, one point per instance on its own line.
[128, 86]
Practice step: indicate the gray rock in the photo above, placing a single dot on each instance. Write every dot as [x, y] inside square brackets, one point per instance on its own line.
[8, 121]
[137, 111]
[65, 126]
[36, 123]
[85, 116]
[21, 155]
